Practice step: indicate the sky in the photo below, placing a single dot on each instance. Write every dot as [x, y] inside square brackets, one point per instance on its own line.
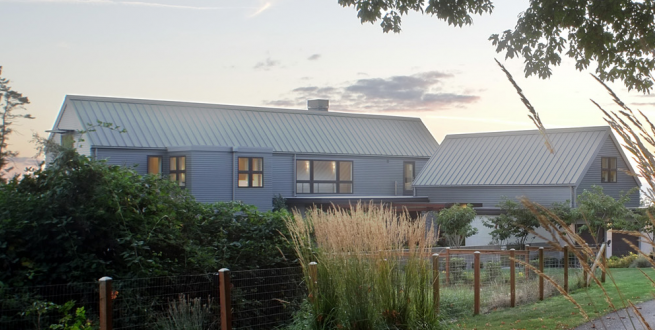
[280, 53]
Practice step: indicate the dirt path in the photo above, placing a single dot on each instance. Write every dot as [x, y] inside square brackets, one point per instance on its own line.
[619, 320]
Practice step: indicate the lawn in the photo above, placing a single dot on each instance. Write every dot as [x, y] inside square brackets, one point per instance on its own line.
[558, 313]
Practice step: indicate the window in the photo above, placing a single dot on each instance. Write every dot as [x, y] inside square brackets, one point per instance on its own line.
[324, 177]
[67, 140]
[177, 170]
[608, 169]
[408, 178]
[154, 165]
[251, 172]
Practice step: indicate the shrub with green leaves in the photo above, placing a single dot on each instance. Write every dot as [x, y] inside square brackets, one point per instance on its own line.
[455, 224]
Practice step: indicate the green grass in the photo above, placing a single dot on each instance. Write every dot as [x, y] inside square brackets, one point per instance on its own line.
[558, 313]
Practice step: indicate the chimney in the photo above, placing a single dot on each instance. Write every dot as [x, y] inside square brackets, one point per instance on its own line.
[318, 105]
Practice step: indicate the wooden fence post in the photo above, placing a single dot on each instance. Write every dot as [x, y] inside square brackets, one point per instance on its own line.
[435, 282]
[512, 277]
[541, 269]
[566, 268]
[447, 265]
[604, 268]
[584, 269]
[105, 303]
[476, 285]
[527, 262]
[226, 301]
[313, 275]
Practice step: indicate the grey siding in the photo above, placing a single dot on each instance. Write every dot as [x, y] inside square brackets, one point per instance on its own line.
[209, 175]
[373, 176]
[491, 196]
[131, 157]
[623, 182]
[282, 171]
[260, 197]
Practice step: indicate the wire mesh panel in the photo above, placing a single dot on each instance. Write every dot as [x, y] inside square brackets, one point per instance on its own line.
[266, 298]
[38, 307]
[147, 303]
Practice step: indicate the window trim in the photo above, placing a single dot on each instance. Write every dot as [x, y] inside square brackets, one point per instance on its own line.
[250, 172]
[161, 165]
[337, 182]
[177, 171]
[609, 169]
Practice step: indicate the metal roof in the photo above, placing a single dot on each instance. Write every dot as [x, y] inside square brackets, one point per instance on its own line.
[162, 124]
[514, 158]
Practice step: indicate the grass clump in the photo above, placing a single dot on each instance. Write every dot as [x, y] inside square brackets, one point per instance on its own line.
[187, 314]
[362, 281]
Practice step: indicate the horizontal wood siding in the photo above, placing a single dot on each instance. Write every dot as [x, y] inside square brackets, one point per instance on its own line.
[282, 174]
[260, 197]
[491, 196]
[209, 175]
[623, 182]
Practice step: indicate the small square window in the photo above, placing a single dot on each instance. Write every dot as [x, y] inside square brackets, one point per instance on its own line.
[251, 172]
[608, 170]
[154, 165]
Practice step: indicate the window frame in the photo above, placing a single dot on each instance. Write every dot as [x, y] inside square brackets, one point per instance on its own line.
[250, 172]
[177, 170]
[609, 170]
[161, 165]
[337, 180]
[409, 192]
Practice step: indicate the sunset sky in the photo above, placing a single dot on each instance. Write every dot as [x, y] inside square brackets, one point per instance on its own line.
[280, 53]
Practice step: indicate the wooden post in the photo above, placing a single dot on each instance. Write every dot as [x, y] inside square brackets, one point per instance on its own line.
[447, 265]
[226, 301]
[476, 285]
[512, 277]
[313, 276]
[527, 262]
[541, 269]
[604, 268]
[566, 268]
[435, 282]
[105, 303]
[584, 269]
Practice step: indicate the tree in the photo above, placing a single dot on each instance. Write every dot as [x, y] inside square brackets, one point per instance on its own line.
[618, 35]
[515, 221]
[455, 224]
[601, 212]
[10, 102]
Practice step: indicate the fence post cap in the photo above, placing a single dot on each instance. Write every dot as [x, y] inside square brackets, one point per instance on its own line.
[435, 255]
[313, 263]
[541, 248]
[105, 278]
[223, 270]
[477, 252]
[448, 248]
[512, 249]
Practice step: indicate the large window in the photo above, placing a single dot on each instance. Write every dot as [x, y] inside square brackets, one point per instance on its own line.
[154, 165]
[251, 172]
[177, 170]
[608, 169]
[324, 177]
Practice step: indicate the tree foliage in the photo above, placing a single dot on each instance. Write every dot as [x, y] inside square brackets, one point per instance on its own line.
[618, 35]
[80, 219]
[455, 224]
[10, 102]
[602, 212]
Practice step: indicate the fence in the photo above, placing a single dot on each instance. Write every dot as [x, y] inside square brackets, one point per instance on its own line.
[256, 299]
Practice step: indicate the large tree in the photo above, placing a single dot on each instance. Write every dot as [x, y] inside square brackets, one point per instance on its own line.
[617, 35]
[10, 102]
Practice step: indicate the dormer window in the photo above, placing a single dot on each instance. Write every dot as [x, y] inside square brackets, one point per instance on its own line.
[608, 169]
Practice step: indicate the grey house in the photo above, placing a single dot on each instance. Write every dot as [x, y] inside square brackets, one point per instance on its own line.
[487, 167]
[250, 154]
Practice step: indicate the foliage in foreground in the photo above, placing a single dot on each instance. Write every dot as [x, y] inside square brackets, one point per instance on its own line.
[80, 219]
[362, 282]
[455, 224]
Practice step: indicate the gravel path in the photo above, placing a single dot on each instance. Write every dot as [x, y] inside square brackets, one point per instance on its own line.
[619, 320]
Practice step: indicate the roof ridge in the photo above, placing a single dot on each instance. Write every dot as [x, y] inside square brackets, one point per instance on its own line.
[528, 132]
[235, 107]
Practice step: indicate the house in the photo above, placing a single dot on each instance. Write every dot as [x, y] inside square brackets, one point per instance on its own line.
[487, 167]
[251, 154]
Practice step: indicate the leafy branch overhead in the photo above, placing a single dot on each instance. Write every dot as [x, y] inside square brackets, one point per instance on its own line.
[618, 35]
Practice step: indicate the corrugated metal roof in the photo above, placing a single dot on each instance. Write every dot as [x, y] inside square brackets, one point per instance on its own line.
[161, 124]
[513, 158]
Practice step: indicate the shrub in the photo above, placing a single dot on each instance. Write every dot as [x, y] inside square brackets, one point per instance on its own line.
[621, 262]
[457, 268]
[492, 270]
[187, 314]
[641, 262]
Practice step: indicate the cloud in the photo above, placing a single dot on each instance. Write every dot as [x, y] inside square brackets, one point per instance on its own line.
[418, 92]
[314, 57]
[266, 64]
[643, 103]
[126, 3]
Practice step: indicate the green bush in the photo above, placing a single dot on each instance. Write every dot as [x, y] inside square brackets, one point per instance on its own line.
[457, 267]
[81, 219]
[492, 271]
[641, 262]
[621, 262]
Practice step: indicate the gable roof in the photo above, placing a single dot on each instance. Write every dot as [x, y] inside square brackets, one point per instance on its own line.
[515, 158]
[163, 124]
